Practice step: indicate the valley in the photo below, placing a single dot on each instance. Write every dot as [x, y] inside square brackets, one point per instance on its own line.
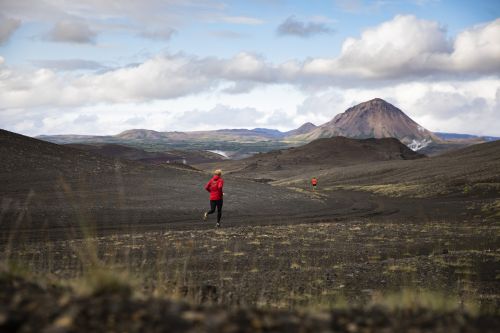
[390, 239]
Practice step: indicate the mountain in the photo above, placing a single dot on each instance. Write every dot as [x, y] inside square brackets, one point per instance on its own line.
[304, 129]
[374, 119]
[320, 154]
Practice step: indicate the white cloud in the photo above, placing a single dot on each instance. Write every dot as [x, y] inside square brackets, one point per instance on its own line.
[224, 116]
[68, 31]
[228, 34]
[86, 118]
[164, 34]
[241, 20]
[7, 27]
[152, 19]
[403, 45]
[401, 49]
[478, 49]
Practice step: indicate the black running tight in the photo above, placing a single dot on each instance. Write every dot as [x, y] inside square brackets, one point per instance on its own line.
[218, 204]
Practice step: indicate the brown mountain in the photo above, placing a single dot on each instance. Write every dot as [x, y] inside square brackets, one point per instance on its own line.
[320, 154]
[375, 119]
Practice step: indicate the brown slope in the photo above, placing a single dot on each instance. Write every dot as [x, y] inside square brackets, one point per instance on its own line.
[473, 170]
[319, 154]
[374, 119]
[49, 185]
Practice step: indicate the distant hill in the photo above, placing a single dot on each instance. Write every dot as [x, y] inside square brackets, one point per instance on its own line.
[135, 154]
[457, 136]
[21, 153]
[320, 154]
[304, 129]
[374, 119]
[140, 134]
[472, 170]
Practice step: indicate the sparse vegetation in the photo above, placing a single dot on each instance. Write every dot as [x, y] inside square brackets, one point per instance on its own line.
[121, 243]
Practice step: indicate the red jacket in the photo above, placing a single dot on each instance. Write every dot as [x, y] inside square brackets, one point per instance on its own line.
[214, 186]
[314, 181]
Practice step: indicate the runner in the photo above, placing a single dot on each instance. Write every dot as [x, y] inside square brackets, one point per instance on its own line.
[214, 186]
[314, 182]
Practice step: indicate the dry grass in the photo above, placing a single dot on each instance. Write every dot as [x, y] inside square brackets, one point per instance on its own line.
[315, 266]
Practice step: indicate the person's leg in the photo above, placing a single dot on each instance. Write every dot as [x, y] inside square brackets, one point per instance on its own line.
[213, 203]
[211, 211]
[219, 210]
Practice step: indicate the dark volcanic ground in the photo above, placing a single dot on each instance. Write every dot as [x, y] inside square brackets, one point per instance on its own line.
[50, 186]
[280, 247]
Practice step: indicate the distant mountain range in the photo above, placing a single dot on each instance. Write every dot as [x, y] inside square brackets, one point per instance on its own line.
[372, 119]
[456, 136]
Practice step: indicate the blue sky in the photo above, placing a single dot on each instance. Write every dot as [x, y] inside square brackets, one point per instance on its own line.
[101, 67]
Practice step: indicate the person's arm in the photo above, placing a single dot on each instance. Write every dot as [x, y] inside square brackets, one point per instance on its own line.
[207, 187]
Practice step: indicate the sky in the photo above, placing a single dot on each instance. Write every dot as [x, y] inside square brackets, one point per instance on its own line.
[104, 66]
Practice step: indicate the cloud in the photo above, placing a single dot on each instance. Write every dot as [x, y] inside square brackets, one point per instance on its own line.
[458, 113]
[134, 121]
[240, 87]
[69, 64]
[408, 47]
[7, 27]
[86, 118]
[478, 49]
[320, 108]
[223, 116]
[293, 27]
[163, 34]
[228, 34]
[87, 18]
[68, 31]
[402, 45]
[241, 20]
[402, 49]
